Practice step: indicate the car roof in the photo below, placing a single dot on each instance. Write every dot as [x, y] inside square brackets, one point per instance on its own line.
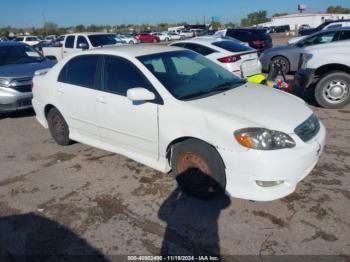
[89, 33]
[11, 43]
[135, 50]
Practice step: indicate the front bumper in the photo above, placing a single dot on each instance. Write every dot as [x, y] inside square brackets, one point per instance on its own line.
[243, 169]
[305, 78]
[12, 100]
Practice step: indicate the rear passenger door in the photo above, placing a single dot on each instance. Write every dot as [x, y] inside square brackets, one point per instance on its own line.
[126, 126]
[76, 94]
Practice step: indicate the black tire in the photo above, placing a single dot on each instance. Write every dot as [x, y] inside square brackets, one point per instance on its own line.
[193, 181]
[131, 42]
[58, 127]
[284, 62]
[323, 95]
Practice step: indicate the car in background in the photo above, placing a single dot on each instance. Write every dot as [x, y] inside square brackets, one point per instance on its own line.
[289, 55]
[186, 33]
[78, 42]
[240, 59]
[257, 39]
[162, 36]
[147, 38]
[332, 24]
[128, 38]
[216, 132]
[175, 36]
[199, 32]
[326, 69]
[18, 62]
[29, 40]
[281, 29]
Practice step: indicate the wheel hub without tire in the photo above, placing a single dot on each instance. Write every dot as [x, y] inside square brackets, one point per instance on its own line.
[336, 92]
[192, 160]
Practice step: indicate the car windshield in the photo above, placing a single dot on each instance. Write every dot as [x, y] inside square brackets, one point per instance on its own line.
[318, 39]
[102, 40]
[188, 75]
[18, 54]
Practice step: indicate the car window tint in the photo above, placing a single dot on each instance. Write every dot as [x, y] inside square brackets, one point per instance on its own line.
[321, 39]
[156, 66]
[80, 71]
[69, 42]
[199, 49]
[81, 40]
[232, 46]
[186, 66]
[345, 35]
[179, 44]
[121, 75]
[334, 26]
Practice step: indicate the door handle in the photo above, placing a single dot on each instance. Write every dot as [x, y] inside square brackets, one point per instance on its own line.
[60, 90]
[101, 100]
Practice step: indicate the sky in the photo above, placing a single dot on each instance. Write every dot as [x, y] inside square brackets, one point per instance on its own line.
[29, 13]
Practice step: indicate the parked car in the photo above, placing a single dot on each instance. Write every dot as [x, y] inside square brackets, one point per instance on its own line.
[29, 40]
[18, 62]
[289, 55]
[186, 33]
[198, 32]
[281, 29]
[175, 36]
[215, 131]
[257, 39]
[239, 59]
[147, 38]
[332, 24]
[327, 68]
[78, 42]
[130, 39]
[162, 36]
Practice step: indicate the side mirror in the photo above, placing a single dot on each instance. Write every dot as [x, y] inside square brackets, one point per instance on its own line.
[140, 94]
[83, 46]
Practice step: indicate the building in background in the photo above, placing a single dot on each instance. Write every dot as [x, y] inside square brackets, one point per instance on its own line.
[295, 21]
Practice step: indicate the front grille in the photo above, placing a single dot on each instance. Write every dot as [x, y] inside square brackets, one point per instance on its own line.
[308, 129]
[22, 85]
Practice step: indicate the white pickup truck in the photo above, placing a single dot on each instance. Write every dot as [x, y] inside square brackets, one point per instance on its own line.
[78, 42]
[327, 68]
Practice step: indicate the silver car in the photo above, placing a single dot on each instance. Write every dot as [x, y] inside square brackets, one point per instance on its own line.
[289, 55]
[18, 62]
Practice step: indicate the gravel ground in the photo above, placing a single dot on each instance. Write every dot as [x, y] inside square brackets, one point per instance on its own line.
[81, 200]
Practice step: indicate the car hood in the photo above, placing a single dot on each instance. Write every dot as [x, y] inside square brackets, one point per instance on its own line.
[24, 70]
[261, 105]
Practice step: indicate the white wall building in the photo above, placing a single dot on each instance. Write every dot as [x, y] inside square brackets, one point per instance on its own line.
[298, 19]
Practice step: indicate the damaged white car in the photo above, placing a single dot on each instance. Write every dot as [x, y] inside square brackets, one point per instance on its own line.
[173, 109]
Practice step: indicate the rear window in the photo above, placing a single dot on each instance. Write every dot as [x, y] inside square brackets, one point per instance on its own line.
[232, 46]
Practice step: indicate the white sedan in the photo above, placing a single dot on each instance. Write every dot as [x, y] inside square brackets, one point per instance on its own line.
[173, 109]
[236, 57]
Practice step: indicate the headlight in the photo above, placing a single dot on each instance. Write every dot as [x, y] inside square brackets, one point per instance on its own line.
[4, 82]
[263, 139]
[304, 59]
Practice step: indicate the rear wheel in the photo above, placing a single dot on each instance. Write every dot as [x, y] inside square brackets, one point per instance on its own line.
[333, 90]
[283, 62]
[199, 169]
[58, 127]
[131, 42]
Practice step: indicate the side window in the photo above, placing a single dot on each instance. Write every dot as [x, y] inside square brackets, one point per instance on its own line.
[199, 49]
[333, 26]
[344, 35]
[80, 71]
[121, 75]
[69, 42]
[81, 40]
[321, 39]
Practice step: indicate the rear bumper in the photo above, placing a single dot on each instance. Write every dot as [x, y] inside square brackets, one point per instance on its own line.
[12, 100]
[305, 78]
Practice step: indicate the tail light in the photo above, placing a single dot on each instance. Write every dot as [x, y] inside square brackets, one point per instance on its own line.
[230, 59]
[258, 42]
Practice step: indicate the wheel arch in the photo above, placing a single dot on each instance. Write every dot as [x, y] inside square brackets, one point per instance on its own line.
[168, 151]
[325, 69]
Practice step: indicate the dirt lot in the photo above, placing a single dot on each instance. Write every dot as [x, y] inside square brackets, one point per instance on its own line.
[79, 200]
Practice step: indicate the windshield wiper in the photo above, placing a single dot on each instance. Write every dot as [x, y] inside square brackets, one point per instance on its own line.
[222, 87]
